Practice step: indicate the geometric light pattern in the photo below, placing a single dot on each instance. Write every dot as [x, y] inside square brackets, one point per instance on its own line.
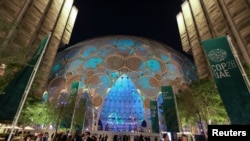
[120, 68]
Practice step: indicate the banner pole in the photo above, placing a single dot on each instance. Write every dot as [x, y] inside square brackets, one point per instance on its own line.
[239, 63]
[27, 89]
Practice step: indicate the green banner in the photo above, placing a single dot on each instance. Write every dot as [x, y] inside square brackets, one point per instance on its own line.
[10, 101]
[229, 80]
[170, 109]
[74, 88]
[81, 107]
[154, 117]
[68, 113]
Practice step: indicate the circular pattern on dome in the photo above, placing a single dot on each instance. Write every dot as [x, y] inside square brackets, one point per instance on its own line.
[61, 72]
[89, 73]
[135, 63]
[133, 76]
[121, 73]
[74, 65]
[173, 68]
[93, 80]
[146, 103]
[74, 79]
[153, 82]
[57, 67]
[71, 54]
[56, 85]
[115, 62]
[105, 50]
[149, 86]
[156, 66]
[89, 51]
[158, 76]
[97, 101]
[101, 69]
[176, 58]
[125, 46]
[99, 83]
[167, 82]
[92, 62]
[163, 55]
[58, 82]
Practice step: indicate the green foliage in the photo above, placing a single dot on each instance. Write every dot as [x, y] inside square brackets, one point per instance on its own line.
[10, 72]
[80, 114]
[202, 103]
[36, 112]
[247, 70]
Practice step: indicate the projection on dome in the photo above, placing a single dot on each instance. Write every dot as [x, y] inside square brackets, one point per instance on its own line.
[119, 76]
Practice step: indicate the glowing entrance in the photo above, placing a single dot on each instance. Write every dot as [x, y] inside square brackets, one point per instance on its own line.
[123, 107]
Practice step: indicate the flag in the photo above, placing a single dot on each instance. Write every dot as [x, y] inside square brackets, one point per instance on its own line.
[154, 117]
[229, 80]
[170, 109]
[74, 88]
[81, 107]
[9, 102]
[69, 112]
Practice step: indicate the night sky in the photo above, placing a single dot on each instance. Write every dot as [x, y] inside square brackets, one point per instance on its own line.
[150, 19]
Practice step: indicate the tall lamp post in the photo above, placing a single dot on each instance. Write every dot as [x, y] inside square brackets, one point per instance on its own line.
[61, 103]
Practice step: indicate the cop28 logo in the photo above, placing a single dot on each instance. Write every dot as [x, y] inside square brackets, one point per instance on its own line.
[217, 55]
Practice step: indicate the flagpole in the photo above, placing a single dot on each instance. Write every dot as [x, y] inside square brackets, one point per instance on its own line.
[27, 89]
[244, 75]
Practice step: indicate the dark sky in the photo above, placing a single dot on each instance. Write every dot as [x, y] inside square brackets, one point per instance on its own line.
[153, 19]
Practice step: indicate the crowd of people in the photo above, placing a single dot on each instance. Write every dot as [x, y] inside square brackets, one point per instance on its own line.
[86, 136]
[183, 137]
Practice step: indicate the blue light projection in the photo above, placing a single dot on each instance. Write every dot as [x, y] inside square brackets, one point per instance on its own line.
[71, 54]
[56, 68]
[125, 46]
[162, 121]
[89, 51]
[74, 65]
[123, 108]
[112, 70]
[154, 65]
[92, 63]
[164, 57]
[104, 51]
[172, 69]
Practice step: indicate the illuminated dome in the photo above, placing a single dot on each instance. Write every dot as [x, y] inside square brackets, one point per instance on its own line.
[119, 75]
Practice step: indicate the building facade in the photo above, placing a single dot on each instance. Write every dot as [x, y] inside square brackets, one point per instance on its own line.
[23, 26]
[200, 20]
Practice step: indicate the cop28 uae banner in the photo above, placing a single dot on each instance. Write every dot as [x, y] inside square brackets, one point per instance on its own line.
[231, 85]
[170, 109]
[154, 117]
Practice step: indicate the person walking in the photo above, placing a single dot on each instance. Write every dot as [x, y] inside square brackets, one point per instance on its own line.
[165, 137]
[184, 137]
[86, 136]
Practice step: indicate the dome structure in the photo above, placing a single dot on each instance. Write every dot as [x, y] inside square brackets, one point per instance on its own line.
[119, 75]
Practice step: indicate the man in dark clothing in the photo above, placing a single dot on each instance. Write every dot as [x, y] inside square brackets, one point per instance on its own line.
[86, 136]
